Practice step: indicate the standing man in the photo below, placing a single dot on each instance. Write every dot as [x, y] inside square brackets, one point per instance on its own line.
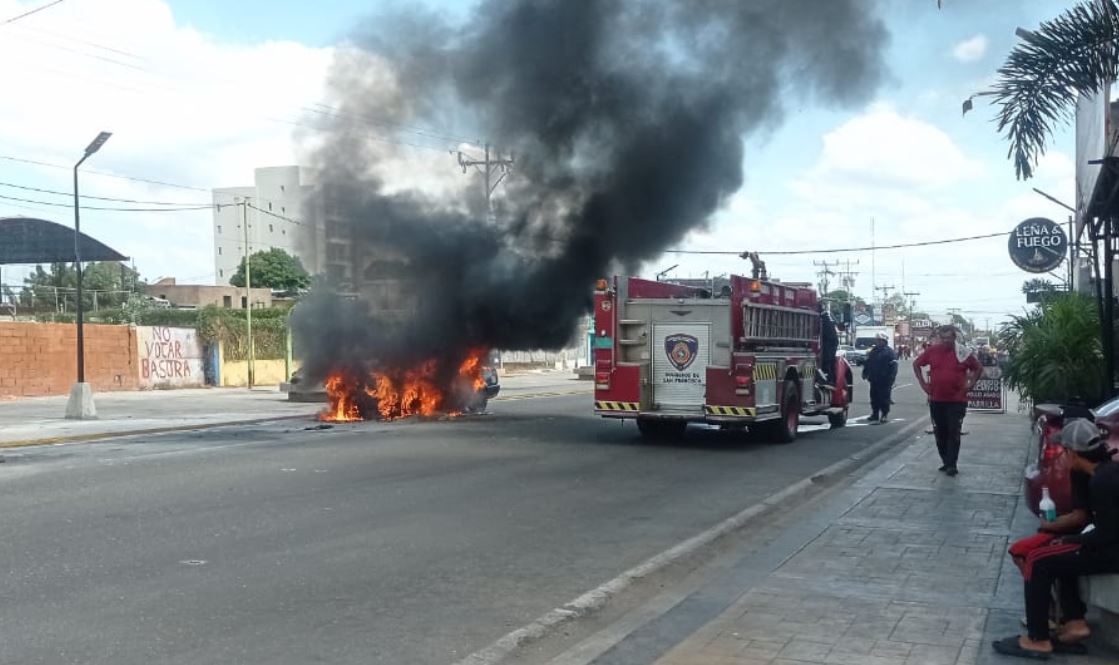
[880, 369]
[953, 370]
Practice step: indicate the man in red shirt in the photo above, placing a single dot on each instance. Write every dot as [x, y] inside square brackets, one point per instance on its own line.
[950, 379]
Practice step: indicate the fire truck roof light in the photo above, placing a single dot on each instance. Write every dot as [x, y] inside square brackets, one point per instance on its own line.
[755, 286]
[601, 285]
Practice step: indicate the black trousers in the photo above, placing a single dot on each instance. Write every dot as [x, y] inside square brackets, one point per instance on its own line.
[1064, 568]
[948, 420]
[827, 359]
[880, 392]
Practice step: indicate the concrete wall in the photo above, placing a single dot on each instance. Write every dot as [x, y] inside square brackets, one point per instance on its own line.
[40, 358]
[169, 357]
[234, 373]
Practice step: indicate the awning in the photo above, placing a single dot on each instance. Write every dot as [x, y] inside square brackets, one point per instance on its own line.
[25, 240]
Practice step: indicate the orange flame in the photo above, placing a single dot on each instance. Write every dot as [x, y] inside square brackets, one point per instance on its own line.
[342, 408]
[400, 393]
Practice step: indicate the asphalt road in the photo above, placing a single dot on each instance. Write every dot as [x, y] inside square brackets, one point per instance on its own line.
[368, 543]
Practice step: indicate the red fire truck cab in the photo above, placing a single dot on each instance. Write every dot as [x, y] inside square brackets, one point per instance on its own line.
[667, 354]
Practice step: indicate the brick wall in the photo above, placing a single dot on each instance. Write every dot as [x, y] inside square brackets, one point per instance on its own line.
[40, 358]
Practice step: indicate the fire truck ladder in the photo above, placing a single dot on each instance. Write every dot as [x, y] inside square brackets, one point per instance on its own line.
[773, 325]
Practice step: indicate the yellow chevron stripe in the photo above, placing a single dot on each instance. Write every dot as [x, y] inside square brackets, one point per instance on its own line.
[765, 372]
[616, 406]
[730, 410]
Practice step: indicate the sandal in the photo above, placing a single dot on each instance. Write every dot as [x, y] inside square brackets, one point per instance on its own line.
[1008, 646]
[1070, 648]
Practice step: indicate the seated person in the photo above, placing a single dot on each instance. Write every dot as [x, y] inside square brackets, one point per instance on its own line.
[1067, 557]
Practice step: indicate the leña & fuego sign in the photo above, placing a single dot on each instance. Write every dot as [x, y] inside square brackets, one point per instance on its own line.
[1038, 245]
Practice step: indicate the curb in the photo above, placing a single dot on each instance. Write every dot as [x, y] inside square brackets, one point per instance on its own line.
[514, 398]
[79, 438]
[596, 598]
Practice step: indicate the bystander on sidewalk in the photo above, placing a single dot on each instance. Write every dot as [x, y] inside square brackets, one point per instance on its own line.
[914, 570]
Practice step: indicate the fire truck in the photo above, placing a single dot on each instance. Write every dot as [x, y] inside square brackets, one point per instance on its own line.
[670, 354]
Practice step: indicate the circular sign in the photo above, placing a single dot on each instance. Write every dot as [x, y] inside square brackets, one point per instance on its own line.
[1038, 245]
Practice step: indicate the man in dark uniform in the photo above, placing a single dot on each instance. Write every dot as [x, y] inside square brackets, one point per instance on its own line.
[880, 369]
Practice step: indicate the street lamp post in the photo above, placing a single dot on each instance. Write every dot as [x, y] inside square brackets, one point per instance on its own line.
[80, 406]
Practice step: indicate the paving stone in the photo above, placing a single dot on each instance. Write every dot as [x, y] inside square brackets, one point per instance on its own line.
[911, 574]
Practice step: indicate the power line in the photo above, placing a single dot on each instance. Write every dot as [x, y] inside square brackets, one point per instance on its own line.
[112, 209]
[103, 173]
[926, 243]
[101, 198]
[30, 12]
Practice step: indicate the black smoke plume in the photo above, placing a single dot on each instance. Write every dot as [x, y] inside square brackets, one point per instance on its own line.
[626, 120]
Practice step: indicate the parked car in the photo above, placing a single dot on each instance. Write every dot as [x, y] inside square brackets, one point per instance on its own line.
[1049, 462]
[853, 355]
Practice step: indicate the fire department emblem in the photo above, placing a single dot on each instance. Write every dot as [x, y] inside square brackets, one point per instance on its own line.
[681, 350]
[606, 306]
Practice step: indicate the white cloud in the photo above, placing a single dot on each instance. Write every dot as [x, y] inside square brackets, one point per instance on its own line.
[970, 50]
[182, 106]
[918, 184]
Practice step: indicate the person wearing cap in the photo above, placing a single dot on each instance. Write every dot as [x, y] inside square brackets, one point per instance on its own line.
[880, 369]
[1068, 557]
[953, 371]
[1073, 521]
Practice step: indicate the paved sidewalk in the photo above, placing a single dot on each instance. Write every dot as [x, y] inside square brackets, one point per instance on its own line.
[912, 572]
[39, 420]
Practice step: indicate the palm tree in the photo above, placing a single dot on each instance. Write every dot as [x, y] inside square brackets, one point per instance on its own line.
[1075, 53]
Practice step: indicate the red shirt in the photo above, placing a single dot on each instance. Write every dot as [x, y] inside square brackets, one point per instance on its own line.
[947, 375]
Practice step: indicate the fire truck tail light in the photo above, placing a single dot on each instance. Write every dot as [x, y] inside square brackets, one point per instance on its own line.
[741, 381]
[600, 285]
[602, 380]
[755, 286]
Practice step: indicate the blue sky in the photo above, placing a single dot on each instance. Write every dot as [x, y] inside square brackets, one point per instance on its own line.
[199, 92]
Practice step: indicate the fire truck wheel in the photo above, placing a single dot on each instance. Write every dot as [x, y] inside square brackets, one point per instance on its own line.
[785, 429]
[661, 430]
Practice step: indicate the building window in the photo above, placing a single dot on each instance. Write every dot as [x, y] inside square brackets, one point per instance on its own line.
[244, 302]
[219, 229]
[269, 205]
[283, 209]
[281, 188]
[270, 228]
[227, 302]
[219, 250]
[283, 232]
[221, 273]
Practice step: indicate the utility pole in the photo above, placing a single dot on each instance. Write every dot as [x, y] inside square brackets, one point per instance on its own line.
[248, 290]
[873, 263]
[912, 295]
[824, 273]
[488, 168]
[882, 308]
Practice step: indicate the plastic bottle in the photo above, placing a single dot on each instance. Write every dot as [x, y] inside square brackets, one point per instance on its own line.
[1046, 506]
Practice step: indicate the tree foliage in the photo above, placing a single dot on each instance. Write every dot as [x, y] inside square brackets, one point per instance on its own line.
[105, 283]
[1054, 350]
[1037, 87]
[1038, 285]
[273, 269]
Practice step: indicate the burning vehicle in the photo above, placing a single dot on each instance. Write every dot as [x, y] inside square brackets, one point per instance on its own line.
[615, 129]
[397, 395]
